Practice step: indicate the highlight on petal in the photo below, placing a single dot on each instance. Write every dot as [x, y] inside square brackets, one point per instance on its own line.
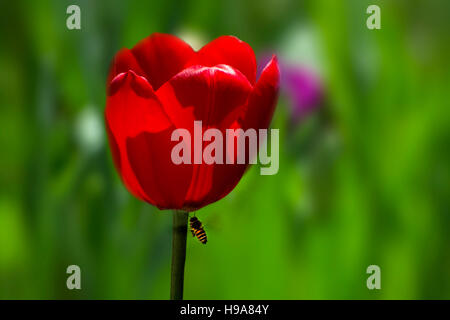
[208, 94]
[202, 93]
[231, 51]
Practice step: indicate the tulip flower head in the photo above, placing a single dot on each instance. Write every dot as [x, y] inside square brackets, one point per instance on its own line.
[163, 85]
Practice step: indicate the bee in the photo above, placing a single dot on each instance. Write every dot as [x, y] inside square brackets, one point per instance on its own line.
[197, 229]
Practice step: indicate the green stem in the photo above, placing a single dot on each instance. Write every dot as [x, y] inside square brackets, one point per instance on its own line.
[179, 232]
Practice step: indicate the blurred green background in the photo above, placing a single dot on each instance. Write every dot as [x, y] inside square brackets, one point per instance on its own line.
[363, 180]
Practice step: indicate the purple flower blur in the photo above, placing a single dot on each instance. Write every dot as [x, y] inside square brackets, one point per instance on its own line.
[301, 86]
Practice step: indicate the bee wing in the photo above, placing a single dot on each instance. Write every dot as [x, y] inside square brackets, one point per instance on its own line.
[212, 223]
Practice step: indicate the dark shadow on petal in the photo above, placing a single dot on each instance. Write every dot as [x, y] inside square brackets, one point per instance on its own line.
[163, 181]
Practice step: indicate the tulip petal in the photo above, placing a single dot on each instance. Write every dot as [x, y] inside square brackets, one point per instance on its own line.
[207, 94]
[202, 93]
[162, 180]
[231, 51]
[132, 108]
[262, 101]
[161, 56]
[257, 114]
[123, 61]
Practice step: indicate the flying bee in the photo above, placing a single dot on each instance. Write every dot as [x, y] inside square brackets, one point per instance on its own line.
[197, 229]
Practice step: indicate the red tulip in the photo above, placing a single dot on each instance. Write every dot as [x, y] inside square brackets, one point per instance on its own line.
[162, 84]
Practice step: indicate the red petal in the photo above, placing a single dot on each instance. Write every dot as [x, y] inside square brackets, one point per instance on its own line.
[202, 93]
[257, 115]
[123, 61]
[262, 101]
[231, 51]
[131, 108]
[150, 158]
[161, 56]
[208, 94]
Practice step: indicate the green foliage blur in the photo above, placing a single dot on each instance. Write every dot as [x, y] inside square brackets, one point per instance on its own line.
[363, 180]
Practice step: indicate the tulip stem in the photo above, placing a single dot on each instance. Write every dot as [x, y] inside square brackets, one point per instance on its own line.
[179, 233]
